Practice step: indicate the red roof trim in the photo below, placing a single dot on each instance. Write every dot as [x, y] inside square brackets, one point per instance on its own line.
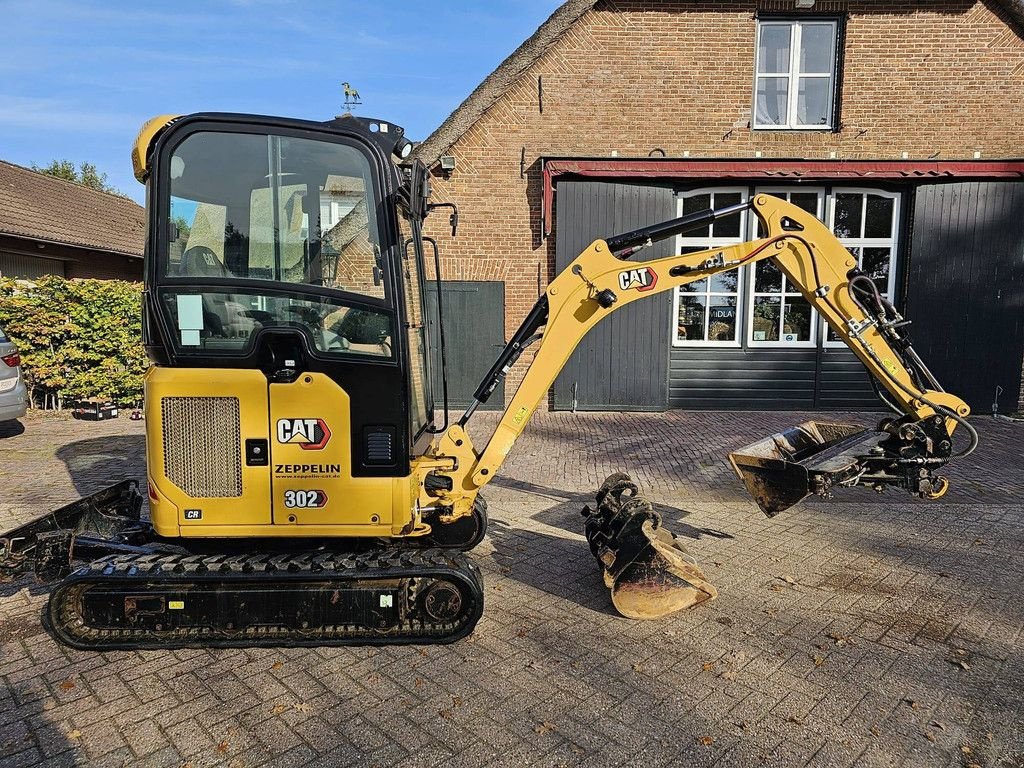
[777, 170]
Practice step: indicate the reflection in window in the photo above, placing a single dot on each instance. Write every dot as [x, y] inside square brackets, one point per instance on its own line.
[258, 207]
[707, 310]
[420, 395]
[770, 308]
[867, 223]
[779, 313]
[795, 79]
[206, 321]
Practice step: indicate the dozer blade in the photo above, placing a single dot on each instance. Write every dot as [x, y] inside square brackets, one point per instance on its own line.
[650, 574]
[812, 457]
[108, 521]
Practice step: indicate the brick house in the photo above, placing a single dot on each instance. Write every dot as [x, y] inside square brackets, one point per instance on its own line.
[49, 226]
[896, 123]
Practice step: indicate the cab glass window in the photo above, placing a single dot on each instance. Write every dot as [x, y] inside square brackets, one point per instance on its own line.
[225, 322]
[264, 207]
[420, 396]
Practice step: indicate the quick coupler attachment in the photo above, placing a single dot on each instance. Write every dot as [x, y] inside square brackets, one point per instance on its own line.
[650, 574]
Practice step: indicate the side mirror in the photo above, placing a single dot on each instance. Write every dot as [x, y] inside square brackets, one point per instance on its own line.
[419, 190]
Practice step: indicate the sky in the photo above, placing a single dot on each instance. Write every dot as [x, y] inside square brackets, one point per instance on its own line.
[79, 77]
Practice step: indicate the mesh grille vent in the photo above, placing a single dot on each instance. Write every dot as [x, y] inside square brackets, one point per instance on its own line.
[202, 446]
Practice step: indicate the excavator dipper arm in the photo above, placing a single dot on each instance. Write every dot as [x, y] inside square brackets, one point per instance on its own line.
[783, 468]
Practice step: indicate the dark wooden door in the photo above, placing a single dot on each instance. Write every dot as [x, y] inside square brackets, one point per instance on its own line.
[474, 327]
[965, 290]
[622, 364]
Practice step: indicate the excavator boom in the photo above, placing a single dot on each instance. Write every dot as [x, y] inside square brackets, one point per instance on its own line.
[813, 458]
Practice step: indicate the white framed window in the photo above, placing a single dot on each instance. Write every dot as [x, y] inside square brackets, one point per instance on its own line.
[795, 74]
[707, 311]
[755, 305]
[778, 315]
[866, 221]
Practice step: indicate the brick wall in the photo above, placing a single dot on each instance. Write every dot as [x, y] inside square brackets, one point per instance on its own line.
[920, 77]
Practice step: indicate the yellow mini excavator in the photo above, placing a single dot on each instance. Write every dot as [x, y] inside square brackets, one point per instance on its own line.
[300, 489]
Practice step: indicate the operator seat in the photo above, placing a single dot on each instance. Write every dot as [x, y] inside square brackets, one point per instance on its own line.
[201, 261]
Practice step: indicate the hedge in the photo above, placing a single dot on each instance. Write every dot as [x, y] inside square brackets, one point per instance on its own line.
[77, 338]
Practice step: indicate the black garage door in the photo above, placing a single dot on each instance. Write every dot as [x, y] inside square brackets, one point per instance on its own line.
[965, 291]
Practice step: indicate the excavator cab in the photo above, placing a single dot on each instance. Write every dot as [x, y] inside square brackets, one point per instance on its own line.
[285, 317]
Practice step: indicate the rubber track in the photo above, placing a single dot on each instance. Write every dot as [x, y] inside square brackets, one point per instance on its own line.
[62, 618]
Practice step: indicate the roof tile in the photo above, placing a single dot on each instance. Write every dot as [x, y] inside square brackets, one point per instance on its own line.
[38, 206]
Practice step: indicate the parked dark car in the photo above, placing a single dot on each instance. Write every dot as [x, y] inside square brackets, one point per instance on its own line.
[13, 396]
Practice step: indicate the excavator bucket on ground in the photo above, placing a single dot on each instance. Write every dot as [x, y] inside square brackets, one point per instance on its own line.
[812, 457]
[650, 574]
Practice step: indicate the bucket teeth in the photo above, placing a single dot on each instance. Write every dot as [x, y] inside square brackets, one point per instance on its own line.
[649, 572]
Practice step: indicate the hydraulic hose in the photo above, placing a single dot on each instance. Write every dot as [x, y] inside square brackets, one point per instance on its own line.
[949, 413]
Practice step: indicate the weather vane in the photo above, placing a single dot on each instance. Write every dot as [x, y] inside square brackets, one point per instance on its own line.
[351, 97]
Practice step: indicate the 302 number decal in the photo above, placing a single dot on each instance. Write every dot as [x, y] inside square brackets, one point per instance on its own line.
[304, 499]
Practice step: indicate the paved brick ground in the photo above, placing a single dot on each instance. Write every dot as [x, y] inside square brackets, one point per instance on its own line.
[873, 630]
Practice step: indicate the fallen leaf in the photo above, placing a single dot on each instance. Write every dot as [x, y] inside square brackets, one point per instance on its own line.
[729, 674]
[928, 735]
[911, 703]
[456, 701]
[965, 749]
[637, 668]
[839, 639]
[422, 651]
[818, 660]
[276, 665]
[938, 724]
[222, 748]
[445, 713]
[543, 728]
[75, 734]
[278, 709]
[796, 720]
[776, 587]
[301, 706]
[418, 682]
[874, 730]
[705, 741]
[743, 725]
[707, 666]
[521, 632]
[961, 663]
[788, 579]
[373, 678]
[67, 685]
[979, 541]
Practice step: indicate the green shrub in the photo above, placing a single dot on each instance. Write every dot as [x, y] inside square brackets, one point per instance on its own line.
[77, 338]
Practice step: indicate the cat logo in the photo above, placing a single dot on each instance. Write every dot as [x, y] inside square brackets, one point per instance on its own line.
[642, 278]
[308, 434]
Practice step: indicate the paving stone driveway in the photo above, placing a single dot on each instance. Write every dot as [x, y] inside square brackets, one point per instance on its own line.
[872, 630]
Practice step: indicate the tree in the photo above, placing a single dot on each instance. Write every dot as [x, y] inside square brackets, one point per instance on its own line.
[86, 174]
